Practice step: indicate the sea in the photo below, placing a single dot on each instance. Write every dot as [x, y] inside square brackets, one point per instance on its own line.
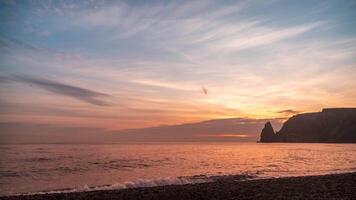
[55, 168]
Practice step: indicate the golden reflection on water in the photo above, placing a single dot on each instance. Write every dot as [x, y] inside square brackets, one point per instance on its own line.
[31, 168]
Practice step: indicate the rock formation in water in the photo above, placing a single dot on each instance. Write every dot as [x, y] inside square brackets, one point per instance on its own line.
[267, 134]
[330, 125]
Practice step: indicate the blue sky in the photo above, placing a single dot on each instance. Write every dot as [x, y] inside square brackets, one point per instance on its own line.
[131, 64]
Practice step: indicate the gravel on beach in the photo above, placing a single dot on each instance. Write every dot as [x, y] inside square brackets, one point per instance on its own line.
[334, 186]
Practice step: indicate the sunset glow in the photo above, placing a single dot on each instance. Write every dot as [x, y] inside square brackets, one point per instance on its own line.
[118, 65]
[177, 99]
[230, 135]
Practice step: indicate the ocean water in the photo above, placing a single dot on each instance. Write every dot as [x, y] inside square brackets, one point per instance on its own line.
[52, 168]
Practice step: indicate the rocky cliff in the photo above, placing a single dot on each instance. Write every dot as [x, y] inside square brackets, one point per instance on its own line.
[330, 125]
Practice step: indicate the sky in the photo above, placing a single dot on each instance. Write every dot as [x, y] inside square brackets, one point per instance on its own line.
[117, 65]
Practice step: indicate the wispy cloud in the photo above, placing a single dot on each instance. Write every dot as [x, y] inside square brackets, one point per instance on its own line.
[256, 58]
[168, 85]
[204, 26]
[262, 36]
[288, 112]
[82, 94]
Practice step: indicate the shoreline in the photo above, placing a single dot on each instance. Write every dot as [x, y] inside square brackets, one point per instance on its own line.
[331, 186]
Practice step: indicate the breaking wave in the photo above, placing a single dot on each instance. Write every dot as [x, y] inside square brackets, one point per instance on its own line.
[183, 180]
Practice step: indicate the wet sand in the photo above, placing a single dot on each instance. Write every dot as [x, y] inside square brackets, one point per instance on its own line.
[335, 186]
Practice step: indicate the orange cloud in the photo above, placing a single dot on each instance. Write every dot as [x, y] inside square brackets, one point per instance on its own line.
[229, 135]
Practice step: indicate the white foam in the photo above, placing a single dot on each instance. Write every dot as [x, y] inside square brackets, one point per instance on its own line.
[182, 180]
[132, 184]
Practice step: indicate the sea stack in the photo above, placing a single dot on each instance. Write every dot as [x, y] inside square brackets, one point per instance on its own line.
[267, 134]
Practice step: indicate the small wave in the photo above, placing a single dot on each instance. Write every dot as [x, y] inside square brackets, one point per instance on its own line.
[11, 174]
[127, 164]
[182, 180]
[40, 159]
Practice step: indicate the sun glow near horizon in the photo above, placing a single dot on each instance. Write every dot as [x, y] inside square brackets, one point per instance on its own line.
[120, 65]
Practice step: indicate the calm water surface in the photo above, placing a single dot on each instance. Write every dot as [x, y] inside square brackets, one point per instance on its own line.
[58, 167]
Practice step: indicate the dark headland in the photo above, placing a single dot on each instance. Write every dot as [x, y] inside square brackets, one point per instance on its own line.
[331, 125]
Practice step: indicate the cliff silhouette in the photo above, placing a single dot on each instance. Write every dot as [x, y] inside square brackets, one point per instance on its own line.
[334, 125]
